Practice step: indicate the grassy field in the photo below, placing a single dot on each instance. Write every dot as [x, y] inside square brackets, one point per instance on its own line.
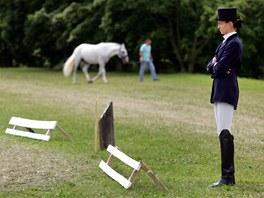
[168, 124]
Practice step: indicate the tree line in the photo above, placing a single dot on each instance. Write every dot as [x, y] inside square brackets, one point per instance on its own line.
[44, 33]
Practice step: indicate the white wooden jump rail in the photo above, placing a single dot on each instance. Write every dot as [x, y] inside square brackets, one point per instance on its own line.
[136, 165]
[31, 125]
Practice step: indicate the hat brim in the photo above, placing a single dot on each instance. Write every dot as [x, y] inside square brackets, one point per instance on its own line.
[227, 19]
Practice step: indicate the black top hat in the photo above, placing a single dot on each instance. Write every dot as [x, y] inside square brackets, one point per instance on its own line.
[227, 14]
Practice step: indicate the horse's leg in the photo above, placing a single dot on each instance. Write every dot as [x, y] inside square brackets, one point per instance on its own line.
[101, 71]
[74, 74]
[104, 74]
[98, 74]
[85, 71]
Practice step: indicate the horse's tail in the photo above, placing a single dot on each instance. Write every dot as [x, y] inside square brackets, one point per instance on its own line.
[68, 65]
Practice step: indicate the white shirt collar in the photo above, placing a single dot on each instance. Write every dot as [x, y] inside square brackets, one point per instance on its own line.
[226, 36]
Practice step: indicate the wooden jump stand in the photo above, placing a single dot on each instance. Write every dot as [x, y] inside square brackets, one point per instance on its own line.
[106, 127]
[136, 165]
[31, 126]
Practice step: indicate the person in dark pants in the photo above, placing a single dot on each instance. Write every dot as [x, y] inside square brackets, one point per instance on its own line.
[224, 67]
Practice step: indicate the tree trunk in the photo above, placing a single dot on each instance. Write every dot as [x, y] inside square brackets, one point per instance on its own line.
[197, 48]
[175, 43]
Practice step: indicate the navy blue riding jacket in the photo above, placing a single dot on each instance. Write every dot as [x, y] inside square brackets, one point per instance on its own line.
[229, 58]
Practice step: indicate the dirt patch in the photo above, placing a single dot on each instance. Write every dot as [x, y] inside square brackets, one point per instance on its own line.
[27, 166]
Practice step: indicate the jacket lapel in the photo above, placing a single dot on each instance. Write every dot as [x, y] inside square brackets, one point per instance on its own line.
[222, 45]
[220, 49]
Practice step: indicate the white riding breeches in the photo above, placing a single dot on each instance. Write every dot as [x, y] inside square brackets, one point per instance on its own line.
[223, 116]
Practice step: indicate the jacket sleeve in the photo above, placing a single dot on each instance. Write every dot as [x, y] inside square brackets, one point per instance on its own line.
[209, 67]
[230, 56]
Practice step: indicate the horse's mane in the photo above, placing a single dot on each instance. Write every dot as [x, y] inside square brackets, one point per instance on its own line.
[114, 43]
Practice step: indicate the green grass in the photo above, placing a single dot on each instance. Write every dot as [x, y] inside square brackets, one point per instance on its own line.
[168, 124]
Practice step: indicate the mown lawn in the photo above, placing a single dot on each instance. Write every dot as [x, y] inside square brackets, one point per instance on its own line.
[168, 124]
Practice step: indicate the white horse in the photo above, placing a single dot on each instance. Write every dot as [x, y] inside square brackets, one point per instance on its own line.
[94, 54]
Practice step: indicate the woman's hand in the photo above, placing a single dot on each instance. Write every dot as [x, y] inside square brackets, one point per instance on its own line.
[228, 71]
[214, 61]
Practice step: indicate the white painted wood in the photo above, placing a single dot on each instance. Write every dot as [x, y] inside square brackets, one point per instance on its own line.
[28, 134]
[124, 158]
[37, 124]
[115, 175]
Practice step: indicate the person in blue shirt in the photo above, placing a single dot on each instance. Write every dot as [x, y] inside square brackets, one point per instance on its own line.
[224, 68]
[146, 59]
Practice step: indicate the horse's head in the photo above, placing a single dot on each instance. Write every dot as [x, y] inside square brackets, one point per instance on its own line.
[122, 54]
